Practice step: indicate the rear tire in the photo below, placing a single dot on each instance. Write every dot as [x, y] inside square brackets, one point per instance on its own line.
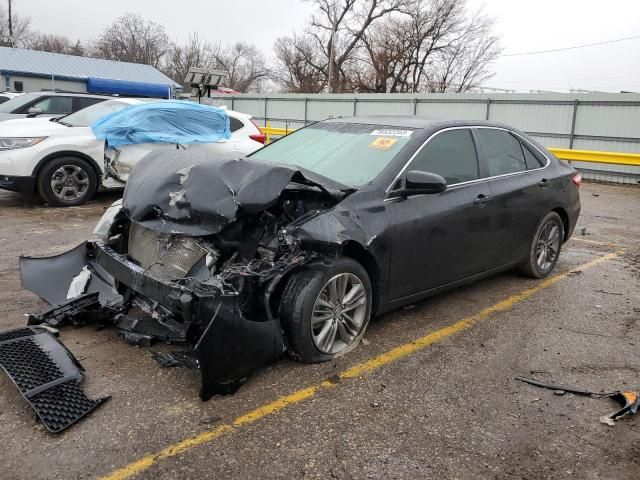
[545, 247]
[325, 312]
[67, 182]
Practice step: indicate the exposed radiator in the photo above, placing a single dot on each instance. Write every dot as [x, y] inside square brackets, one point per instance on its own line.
[163, 256]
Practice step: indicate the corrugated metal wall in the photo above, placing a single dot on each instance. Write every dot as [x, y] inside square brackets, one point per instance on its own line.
[604, 122]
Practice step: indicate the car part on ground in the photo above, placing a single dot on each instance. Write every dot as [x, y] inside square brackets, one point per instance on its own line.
[630, 401]
[47, 375]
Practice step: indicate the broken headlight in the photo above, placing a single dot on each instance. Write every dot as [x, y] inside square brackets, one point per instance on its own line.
[101, 230]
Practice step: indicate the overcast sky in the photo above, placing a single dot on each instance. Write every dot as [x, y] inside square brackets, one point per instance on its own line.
[524, 27]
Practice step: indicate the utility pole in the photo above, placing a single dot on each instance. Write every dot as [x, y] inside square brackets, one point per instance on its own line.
[10, 25]
[332, 53]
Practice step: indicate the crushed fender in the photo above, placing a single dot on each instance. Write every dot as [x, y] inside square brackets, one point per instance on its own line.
[630, 401]
[47, 375]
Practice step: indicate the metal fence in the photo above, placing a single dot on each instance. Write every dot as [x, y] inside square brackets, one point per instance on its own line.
[600, 122]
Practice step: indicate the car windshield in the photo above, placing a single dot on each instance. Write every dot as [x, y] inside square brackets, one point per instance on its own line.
[349, 153]
[90, 115]
[18, 102]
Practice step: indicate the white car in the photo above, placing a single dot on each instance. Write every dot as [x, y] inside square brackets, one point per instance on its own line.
[63, 161]
[6, 96]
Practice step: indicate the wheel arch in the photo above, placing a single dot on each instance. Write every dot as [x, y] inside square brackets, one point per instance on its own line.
[360, 254]
[69, 153]
[564, 216]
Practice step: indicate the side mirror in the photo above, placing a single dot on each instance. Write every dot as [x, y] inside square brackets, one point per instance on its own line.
[418, 182]
[34, 112]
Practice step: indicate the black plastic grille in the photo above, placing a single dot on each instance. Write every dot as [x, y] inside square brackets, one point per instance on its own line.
[27, 364]
[63, 405]
[35, 359]
[17, 333]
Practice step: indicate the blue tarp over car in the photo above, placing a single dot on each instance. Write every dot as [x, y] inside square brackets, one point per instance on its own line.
[164, 122]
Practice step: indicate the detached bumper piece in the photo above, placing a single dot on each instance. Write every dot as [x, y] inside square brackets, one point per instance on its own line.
[47, 375]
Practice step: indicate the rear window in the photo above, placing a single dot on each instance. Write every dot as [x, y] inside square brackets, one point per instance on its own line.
[502, 150]
[349, 153]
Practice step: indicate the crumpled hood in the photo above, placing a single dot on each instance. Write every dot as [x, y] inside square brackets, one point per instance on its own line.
[194, 193]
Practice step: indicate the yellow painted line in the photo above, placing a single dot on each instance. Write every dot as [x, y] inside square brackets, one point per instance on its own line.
[594, 242]
[358, 370]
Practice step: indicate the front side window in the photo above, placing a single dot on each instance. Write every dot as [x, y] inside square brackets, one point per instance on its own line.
[90, 115]
[502, 151]
[53, 106]
[451, 154]
[351, 154]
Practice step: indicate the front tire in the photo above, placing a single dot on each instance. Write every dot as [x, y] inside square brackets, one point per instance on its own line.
[325, 312]
[545, 247]
[67, 181]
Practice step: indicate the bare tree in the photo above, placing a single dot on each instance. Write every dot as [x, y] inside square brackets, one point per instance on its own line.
[244, 65]
[388, 46]
[464, 64]
[20, 26]
[330, 43]
[131, 38]
[54, 43]
[295, 69]
[180, 58]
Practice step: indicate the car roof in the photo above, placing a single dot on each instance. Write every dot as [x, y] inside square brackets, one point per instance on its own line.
[410, 121]
[69, 94]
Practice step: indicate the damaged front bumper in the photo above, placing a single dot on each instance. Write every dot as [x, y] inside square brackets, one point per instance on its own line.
[225, 345]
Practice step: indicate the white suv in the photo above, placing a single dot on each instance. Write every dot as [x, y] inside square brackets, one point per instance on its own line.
[63, 161]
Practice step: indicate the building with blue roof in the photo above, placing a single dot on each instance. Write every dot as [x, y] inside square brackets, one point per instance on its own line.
[23, 70]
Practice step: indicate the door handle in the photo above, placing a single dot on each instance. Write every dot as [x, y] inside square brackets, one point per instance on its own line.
[482, 199]
[544, 183]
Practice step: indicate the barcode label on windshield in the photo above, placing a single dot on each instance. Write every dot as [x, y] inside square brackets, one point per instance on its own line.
[388, 132]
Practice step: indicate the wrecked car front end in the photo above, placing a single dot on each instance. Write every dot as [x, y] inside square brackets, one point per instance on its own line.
[194, 255]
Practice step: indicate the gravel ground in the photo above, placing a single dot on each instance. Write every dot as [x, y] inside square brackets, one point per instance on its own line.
[452, 410]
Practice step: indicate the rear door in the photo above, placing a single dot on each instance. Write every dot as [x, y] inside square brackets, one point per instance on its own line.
[440, 238]
[518, 184]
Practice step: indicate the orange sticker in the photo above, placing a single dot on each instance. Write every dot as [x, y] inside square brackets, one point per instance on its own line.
[383, 143]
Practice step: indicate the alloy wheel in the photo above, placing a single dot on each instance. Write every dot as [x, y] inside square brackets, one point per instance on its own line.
[69, 182]
[338, 313]
[547, 246]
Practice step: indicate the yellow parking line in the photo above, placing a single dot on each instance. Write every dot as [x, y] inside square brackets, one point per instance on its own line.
[358, 370]
[603, 244]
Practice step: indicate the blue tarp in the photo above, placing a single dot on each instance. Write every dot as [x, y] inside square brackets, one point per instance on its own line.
[164, 122]
[132, 89]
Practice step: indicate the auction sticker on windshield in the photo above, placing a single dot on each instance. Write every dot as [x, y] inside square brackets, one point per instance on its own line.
[383, 143]
[392, 132]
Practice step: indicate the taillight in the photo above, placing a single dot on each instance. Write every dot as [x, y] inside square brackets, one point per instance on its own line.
[577, 180]
[258, 137]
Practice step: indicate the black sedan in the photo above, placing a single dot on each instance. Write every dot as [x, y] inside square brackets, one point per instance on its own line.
[298, 246]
